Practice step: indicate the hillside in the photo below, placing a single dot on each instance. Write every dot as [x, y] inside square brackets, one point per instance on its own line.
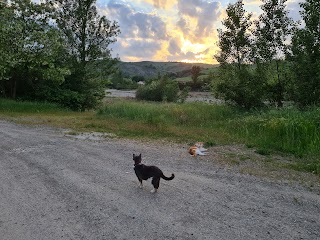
[150, 69]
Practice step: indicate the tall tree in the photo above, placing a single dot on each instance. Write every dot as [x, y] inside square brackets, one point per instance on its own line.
[234, 41]
[238, 83]
[88, 37]
[88, 34]
[306, 55]
[195, 73]
[272, 32]
[29, 45]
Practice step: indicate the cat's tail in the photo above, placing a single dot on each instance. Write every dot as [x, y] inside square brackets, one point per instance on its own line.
[168, 178]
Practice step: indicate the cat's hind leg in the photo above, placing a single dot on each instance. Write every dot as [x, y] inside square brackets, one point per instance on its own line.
[201, 153]
[155, 182]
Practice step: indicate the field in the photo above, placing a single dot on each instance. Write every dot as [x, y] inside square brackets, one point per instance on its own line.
[287, 132]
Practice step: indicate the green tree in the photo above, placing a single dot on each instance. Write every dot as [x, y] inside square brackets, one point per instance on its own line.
[234, 41]
[138, 78]
[88, 37]
[159, 90]
[306, 56]
[272, 32]
[195, 73]
[238, 81]
[29, 47]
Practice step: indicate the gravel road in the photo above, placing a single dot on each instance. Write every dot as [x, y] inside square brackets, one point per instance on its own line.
[54, 186]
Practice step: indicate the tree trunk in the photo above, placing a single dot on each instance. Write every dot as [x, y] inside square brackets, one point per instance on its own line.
[13, 88]
[279, 88]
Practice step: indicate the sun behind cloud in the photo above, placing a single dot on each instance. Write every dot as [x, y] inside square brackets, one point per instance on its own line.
[163, 30]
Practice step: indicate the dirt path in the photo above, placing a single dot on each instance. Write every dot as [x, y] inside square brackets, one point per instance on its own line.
[192, 97]
[57, 187]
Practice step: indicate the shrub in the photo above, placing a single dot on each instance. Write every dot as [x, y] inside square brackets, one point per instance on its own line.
[242, 87]
[159, 90]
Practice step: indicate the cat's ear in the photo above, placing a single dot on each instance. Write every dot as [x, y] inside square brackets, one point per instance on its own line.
[140, 155]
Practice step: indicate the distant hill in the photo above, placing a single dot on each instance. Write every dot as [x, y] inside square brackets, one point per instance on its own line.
[150, 69]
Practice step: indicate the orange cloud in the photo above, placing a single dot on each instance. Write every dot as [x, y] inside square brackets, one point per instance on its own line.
[163, 4]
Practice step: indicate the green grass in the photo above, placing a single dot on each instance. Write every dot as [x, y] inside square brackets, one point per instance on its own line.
[11, 106]
[284, 130]
[287, 131]
[180, 122]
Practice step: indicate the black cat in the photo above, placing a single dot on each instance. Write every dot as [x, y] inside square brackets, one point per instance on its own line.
[144, 172]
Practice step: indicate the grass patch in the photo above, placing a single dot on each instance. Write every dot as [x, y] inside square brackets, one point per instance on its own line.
[276, 130]
[288, 131]
[184, 122]
[284, 130]
[11, 106]
[313, 166]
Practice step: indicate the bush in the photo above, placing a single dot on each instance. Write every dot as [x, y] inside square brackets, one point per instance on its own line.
[242, 87]
[159, 90]
[138, 78]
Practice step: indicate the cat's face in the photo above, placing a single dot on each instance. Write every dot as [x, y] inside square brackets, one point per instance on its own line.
[137, 159]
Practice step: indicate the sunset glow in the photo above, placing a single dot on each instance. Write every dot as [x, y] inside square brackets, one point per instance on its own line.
[172, 30]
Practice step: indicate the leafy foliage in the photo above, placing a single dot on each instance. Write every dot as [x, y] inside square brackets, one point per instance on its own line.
[35, 49]
[138, 78]
[234, 42]
[195, 73]
[88, 36]
[238, 83]
[159, 90]
[118, 81]
[306, 56]
[242, 86]
[271, 33]
[67, 63]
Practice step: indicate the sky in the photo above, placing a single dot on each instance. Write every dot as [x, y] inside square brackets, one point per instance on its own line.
[172, 30]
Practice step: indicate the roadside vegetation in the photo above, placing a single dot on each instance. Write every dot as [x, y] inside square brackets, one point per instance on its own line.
[50, 76]
[282, 131]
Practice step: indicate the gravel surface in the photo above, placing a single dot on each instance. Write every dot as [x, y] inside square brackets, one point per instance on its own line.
[192, 97]
[54, 186]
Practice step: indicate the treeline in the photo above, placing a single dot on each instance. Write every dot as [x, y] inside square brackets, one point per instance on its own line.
[55, 51]
[270, 59]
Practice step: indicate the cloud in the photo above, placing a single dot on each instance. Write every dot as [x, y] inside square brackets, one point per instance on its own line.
[134, 24]
[141, 33]
[150, 30]
[293, 7]
[174, 47]
[198, 17]
[162, 4]
[138, 49]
